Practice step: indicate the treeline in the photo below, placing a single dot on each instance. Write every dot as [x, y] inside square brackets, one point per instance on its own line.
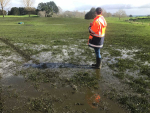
[91, 14]
[50, 9]
[22, 11]
[47, 9]
[71, 14]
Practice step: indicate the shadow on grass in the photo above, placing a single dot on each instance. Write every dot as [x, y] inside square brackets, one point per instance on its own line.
[56, 65]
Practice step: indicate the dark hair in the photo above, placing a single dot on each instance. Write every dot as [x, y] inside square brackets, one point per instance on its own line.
[98, 10]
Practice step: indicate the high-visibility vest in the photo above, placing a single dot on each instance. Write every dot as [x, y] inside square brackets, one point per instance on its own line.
[97, 30]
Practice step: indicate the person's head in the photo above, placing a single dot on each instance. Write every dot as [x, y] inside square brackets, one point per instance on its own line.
[98, 11]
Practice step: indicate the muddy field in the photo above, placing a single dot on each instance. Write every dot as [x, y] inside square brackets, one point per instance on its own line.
[46, 68]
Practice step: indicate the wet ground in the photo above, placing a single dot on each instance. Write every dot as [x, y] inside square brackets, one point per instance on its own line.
[61, 80]
[59, 96]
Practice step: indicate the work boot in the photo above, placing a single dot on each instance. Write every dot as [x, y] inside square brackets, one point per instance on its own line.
[98, 64]
[93, 65]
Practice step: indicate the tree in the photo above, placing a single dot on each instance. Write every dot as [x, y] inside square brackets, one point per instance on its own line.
[120, 14]
[1, 12]
[53, 6]
[3, 4]
[44, 7]
[60, 11]
[90, 14]
[14, 11]
[105, 13]
[49, 7]
[22, 11]
[29, 5]
[109, 14]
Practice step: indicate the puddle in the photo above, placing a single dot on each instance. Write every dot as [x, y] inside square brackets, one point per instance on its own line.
[55, 65]
[9, 63]
[127, 53]
[64, 98]
[66, 54]
[32, 46]
[43, 56]
[147, 63]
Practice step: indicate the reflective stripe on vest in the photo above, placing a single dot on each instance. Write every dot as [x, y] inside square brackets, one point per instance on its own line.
[96, 45]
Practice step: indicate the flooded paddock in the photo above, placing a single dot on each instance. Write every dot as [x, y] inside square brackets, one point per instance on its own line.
[60, 79]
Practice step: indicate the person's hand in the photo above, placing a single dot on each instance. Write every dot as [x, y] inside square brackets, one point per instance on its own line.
[91, 24]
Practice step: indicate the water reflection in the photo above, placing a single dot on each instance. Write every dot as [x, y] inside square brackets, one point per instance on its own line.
[92, 96]
[90, 99]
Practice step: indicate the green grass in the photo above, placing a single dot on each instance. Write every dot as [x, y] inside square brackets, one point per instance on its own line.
[145, 70]
[1, 101]
[135, 104]
[41, 105]
[42, 30]
[123, 64]
[84, 79]
[69, 32]
[119, 75]
[114, 52]
[8, 16]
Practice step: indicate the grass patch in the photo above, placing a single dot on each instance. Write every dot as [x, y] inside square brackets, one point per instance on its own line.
[57, 50]
[60, 42]
[43, 104]
[4, 47]
[1, 102]
[119, 75]
[135, 104]
[22, 16]
[31, 52]
[124, 64]
[115, 53]
[140, 85]
[84, 79]
[35, 75]
[145, 69]
[142, 82]
[6, 53]
[143, 55]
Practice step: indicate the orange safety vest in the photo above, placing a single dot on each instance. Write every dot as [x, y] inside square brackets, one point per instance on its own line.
[97, 30]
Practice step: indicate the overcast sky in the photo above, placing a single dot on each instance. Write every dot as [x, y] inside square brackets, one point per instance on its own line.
[134, 7]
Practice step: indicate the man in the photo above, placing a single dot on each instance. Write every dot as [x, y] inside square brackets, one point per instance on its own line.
[97, 33]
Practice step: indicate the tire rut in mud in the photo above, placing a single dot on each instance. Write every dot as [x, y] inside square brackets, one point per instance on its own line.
[26, 56]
